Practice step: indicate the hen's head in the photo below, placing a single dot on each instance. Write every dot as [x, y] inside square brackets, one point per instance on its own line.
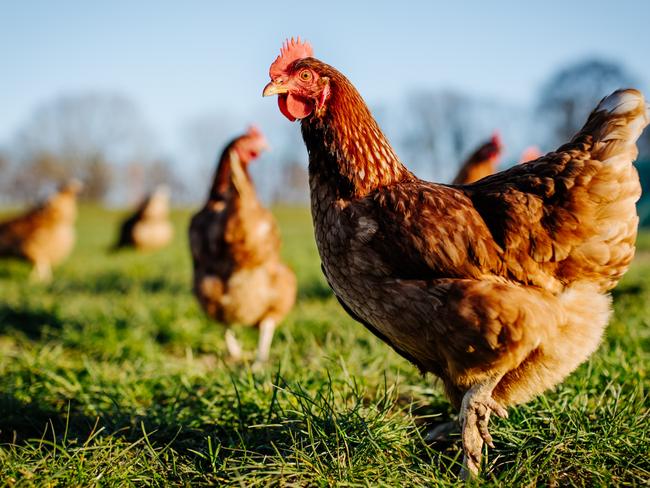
[250, 145]
[301, 89]
[491, 149]
[71, 187]
[495, 145]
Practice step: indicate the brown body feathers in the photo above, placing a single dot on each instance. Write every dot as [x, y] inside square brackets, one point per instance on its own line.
[498, 287]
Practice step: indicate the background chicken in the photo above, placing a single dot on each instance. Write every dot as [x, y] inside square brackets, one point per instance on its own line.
[148, 228]
[529, 154]
[483, 162]
[45, 235]
[499, 287]
[238, 275]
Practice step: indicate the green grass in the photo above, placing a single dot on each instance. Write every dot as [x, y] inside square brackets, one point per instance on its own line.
[111, 375]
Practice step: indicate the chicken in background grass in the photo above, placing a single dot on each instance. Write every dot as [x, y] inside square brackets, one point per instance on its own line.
[483, 162]
[45, 235]
[148, 228]
[235, 243]
[500, 287]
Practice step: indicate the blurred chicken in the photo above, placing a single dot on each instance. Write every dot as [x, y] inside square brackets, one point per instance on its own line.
[149, 227]
[45, 235]
[238, 275]
[500, 287]
[530, 154]
[483, 162]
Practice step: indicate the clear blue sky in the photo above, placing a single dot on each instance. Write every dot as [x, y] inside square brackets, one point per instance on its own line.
[180, 59]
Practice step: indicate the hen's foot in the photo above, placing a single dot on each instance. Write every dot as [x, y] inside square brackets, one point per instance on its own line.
[258, 366]
[474, 417]
[267, 327]
[42, 272]
[233, 347]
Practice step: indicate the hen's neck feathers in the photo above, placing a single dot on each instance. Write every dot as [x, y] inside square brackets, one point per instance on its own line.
[346, 146]
[222, 184]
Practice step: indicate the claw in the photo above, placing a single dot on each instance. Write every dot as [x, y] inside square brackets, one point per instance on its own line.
[497, 408]
[485, 433]
[477, 406]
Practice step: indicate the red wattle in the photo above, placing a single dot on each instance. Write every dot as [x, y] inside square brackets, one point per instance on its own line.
[294, 107]
[282, 103]
[299, 107]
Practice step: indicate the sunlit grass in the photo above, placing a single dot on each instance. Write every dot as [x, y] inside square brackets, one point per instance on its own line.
[112, 375]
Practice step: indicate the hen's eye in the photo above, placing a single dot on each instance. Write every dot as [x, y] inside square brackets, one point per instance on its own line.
[305, 75]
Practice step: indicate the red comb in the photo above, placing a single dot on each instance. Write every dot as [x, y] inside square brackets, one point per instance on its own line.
[291, 51]
[253, 131]
[530, 154]
[496, 139]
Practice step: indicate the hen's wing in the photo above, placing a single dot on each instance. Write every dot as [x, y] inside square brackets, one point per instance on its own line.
[206, 233]
[16, 231]
[573, 212]
[125, 237]
[568, 216]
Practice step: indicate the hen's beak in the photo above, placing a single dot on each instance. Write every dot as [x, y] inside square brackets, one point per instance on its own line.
[274, 88]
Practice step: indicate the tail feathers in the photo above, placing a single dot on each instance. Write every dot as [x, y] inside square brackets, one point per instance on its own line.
[616, 124]
[608, 208]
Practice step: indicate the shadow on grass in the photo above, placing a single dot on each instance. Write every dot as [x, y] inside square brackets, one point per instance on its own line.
[314, 290]
[122, 283]
[633, 290]
[14, 269]
[21, 421]
[28, 320]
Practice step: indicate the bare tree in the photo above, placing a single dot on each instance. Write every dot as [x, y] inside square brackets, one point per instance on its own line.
[441, 121]
[97, 175]
[5, 177]
[161, 172]
[570, 94]
[205, 136]
[441, 128]
[81, 135]
[293, 185]
[143, 177]
[31, 179]
[4, 170]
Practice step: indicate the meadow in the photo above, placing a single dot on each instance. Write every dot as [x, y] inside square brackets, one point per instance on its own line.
[110, 375]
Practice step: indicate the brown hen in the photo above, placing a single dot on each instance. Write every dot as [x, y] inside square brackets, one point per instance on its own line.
[499, 287]
[481, 163]
[238, 275]
[148, 228]
[45, 235]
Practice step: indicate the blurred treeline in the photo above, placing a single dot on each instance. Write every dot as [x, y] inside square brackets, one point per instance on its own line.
[106, 141]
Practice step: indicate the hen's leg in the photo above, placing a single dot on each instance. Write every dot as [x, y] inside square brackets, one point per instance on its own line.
[234, 349]
[267, 327]
[474, 416]
[42, 271]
